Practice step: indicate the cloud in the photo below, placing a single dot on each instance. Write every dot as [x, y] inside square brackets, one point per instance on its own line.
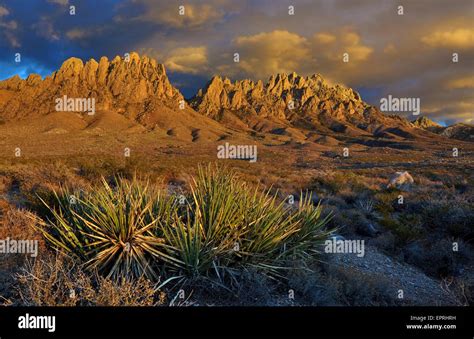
[84, 33]
[11, 25]
[59, 2]
[268, 53]
[169, 14]
[12, 39]
[4, 11]
[454, 112]
[465, 82]
[357, 51]
[187, 60]
[77, 33]
[45, 29]
[282, 51]
[324, 38]
[458, 38]
[330, 47]
[8, 27]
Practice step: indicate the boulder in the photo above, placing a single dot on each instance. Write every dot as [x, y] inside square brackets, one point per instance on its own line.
[401, 180]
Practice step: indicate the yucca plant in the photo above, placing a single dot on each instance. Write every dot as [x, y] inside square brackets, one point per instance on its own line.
[110, 228]
[227, 225]
[312, 231]
[205, 235]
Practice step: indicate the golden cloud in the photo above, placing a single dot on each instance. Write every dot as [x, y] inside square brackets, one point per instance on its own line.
[324, 38]
[350, 38]
[76, 33]
[359, 52]
[187, 60]
[458, 38]
[269, 53]
[195, 15]
[59, 2]
[465, 82]
[347, 42]
[353, 46]
[281, 51]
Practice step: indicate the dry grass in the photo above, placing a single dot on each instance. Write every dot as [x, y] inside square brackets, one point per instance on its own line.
[57, 281]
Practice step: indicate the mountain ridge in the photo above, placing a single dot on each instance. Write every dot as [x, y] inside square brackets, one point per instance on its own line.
[116, 84]
[459, 131]
[139, 89]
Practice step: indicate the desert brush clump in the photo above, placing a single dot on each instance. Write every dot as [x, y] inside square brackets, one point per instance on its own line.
[130, 228]
[56, 280]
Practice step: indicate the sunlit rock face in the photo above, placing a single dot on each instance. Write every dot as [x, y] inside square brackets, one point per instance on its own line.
[131, 86]
[291, 98]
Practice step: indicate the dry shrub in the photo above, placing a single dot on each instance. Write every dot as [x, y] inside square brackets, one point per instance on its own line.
[127, 293]
[5, 183]
[437, 258]
[17, 224]
[335, 182]
[56, 280]
[330, 285]
[461, 289]
[14, 224]
[356, 288]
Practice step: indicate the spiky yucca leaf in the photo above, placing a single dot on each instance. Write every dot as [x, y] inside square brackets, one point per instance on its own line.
[227, 225]
[204, 236]
[312, 232]
[111, 228]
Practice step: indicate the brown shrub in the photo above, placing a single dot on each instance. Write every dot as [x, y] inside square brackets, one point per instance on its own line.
[57, 281]
[342, 286]
[16, 224]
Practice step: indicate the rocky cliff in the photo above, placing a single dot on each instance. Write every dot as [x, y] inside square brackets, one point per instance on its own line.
[130, 87]
[301, 101]
[426, 123]
[459, 131]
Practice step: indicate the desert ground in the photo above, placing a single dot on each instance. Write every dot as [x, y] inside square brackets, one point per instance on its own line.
[408, 246]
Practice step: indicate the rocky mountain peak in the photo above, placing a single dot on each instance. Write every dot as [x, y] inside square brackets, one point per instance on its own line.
[127, 85]
[282, 96]
[425, 123]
